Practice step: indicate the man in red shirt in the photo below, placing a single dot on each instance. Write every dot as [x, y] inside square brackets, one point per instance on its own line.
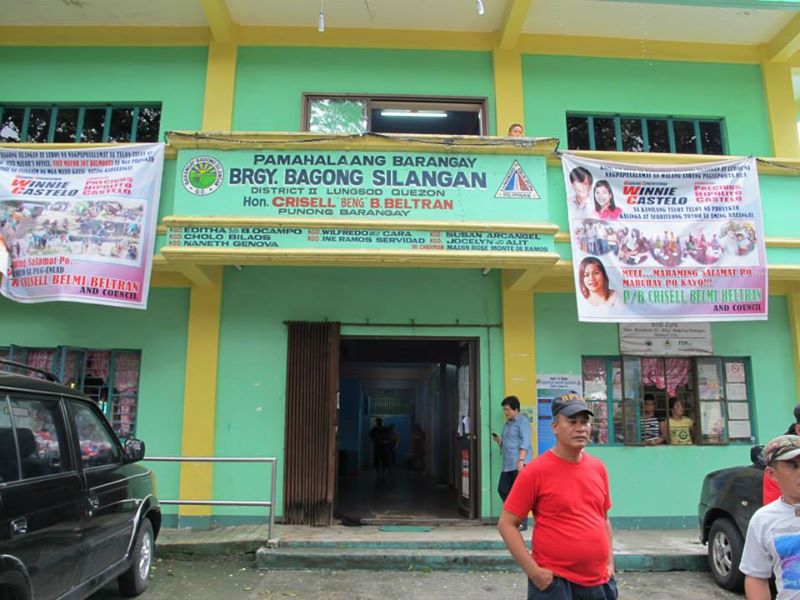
[771, 491]
[567, 491]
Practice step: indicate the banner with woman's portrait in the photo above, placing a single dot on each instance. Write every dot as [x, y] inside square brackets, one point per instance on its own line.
[666, 242]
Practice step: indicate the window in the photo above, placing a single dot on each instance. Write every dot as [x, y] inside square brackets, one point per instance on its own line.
[109, 377]
[669, 400]
[390, 402]
[79, 124]
[394, 114]
[621, 133]
[31, 439]
[98, 447]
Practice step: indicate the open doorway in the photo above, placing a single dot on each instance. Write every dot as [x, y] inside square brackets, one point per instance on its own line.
[407, 449]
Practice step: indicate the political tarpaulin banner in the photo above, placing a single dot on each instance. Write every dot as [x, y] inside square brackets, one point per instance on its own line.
[666, 242]
[78, 225]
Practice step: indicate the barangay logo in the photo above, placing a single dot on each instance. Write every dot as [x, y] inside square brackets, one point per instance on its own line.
[203, 175]
[517, 185]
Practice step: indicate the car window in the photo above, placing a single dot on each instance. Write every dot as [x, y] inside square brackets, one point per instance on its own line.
[9, 469]
[98, 446]
[40, 439]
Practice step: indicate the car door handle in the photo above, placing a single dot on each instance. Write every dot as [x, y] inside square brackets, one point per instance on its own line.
[19, 526]
[94, 504]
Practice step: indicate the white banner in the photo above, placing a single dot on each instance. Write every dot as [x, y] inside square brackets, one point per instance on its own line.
[666, 243]
[79, 224]
[665, 339]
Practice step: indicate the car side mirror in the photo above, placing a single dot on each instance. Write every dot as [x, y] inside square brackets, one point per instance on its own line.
[756, 457]
[133, 450]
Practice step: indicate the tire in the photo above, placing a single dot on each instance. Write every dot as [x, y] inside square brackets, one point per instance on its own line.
[134, 581]
[725, 545]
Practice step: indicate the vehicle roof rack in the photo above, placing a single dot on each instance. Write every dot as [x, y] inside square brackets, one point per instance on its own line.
[46, 374]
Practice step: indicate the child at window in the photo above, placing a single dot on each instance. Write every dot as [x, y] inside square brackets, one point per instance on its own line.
[680, 426]
[653, 430]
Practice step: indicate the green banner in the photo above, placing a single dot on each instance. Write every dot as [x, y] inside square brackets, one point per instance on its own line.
[365, 239]
[362, 185]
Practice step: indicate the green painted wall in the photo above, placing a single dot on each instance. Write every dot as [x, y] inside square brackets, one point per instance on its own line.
[159, 332]
[252, 372]
[270, 81]
[778, 201]
[173, 76]
[665, 481]
[555, 85]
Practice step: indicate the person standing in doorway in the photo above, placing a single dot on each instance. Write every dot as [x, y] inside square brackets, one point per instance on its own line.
[394, 442]
[381, 448]
[567, 490]
[516, 445]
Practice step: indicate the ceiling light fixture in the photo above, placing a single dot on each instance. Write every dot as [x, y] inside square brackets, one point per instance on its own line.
[321, 23]
[426, 114]
[480, 7]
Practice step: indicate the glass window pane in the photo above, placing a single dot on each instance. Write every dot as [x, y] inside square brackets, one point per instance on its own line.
[11, 125]
[38, 125]
[334, 115]
[711, 137]
[9, 469]
[616, 396]
[710, 393]
[94, 120]
[605, 136]
[66, 124]
[632, 140]
[632, 397]
[654, 404]
[680, 389]
[578, 133]
[685, 139]
[40, 437]
[653, 375]
[121, 123]
[98, 446]
[738, 408]
[148, 124]
[595, 390]
[125, 393]
[657, 135]
[95, 383]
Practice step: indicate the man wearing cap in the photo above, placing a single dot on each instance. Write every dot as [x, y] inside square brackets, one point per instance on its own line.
[771, 491]
[516, 444]
[567, 491]
[773, 535]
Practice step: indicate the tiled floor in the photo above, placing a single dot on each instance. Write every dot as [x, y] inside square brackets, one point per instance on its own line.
[403, 495]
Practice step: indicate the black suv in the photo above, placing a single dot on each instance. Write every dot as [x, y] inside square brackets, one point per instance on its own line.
[75, 513]
[727, 502]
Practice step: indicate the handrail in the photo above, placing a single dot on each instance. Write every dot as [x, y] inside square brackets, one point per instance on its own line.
[216, 459]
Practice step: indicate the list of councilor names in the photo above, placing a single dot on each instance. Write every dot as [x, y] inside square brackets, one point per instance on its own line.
[372, 239]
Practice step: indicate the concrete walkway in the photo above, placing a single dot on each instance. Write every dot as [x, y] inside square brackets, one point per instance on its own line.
[476, 547]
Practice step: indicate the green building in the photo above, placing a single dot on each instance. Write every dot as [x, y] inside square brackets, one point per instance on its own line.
[293, 351]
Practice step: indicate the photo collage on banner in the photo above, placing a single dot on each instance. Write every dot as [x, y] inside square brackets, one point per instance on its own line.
[666, 243]
[79, 225]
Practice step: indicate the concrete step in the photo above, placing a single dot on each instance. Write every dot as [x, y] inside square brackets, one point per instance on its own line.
[414, 544]
[382, 558]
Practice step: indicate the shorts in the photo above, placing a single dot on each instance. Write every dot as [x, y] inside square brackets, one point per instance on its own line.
[561, 589]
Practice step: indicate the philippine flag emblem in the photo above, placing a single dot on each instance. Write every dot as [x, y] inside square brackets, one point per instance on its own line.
[517, 185]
